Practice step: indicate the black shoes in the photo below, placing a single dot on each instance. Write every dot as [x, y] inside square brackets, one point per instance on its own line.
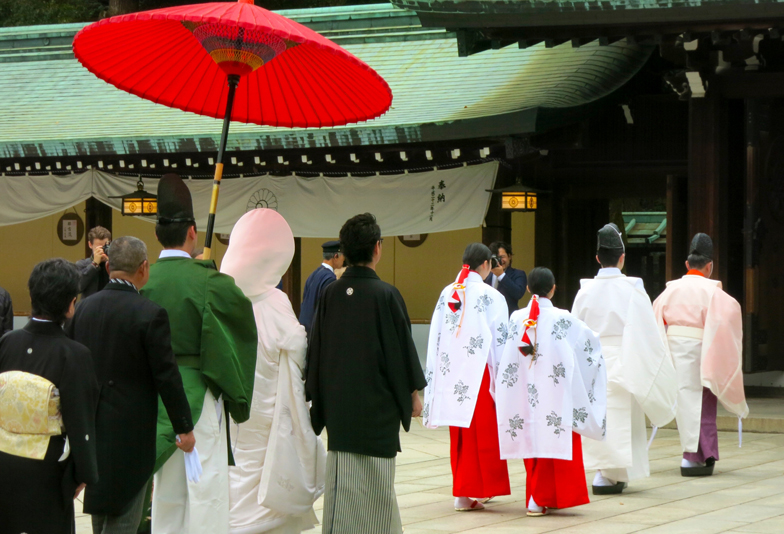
[609, 490]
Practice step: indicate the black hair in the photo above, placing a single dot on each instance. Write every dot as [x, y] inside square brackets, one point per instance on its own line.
[698, 261]
[475, 255]
[495, 245]
[541, 281]
[358, 238]
[609, 257]
[174, 234]
[53, 285]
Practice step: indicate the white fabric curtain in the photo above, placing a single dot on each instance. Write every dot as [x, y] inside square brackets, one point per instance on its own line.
[404, 204]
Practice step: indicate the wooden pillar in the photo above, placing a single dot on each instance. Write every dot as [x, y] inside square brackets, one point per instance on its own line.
[498, 223]
[707, 187]
[292, 280]
[678, 237]
[750, 288]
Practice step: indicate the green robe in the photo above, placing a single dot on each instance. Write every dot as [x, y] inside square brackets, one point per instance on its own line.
[213, 336]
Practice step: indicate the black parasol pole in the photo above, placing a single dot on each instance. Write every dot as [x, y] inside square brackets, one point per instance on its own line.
[233, 81]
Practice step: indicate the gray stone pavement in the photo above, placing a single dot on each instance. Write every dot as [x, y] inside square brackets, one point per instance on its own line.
[746, 493]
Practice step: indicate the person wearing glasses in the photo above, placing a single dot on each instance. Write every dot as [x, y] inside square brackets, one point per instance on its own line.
[510, 282]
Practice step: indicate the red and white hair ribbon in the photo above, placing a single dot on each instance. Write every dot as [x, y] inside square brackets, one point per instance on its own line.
[455, 303]
[529, 323]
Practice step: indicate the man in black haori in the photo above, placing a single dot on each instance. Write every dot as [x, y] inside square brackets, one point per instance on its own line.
[363, 378]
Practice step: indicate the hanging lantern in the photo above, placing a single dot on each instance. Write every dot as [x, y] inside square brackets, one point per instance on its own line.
[517, 197]
[140, 203]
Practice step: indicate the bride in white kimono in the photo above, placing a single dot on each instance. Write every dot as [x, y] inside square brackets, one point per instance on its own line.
[280, 462]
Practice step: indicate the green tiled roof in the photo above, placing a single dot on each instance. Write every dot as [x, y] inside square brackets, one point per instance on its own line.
[51, 106]
[600, 13]
[517, 6]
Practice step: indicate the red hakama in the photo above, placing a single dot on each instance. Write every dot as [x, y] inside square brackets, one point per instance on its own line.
[557, 483]
[477, 468]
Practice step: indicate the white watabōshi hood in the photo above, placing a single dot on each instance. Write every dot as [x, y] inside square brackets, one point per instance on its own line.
[260, 251]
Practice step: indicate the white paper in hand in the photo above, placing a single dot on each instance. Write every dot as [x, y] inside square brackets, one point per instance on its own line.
[192, 465]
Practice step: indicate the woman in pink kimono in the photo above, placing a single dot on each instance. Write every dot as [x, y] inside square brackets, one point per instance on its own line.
[280, 462]
[703, 330]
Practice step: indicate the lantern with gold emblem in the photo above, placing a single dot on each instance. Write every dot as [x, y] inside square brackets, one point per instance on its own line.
[139, 203]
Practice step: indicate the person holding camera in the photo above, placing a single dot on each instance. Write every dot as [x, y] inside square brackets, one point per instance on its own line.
[467, 335]
[510, 282]
[92, 270]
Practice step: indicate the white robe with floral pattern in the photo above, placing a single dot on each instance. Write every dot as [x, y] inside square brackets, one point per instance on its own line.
[460, 346]
[539, 401]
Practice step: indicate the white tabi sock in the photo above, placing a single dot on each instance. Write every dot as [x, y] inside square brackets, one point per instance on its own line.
[601, 480]
[533, 507]
[465, 502]
[689, 463]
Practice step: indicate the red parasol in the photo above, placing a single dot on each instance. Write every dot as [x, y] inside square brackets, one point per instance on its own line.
[235, 61]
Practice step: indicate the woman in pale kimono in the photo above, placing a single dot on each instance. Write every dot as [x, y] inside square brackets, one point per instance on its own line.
[280, 462]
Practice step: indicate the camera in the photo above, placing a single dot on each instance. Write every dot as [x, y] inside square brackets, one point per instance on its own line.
[494, 262]
[106, 249]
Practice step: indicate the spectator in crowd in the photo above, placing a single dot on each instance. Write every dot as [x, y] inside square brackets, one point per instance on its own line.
[510, 282]
[94, 275]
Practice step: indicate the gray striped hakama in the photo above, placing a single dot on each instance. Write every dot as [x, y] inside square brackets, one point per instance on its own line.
[360, 495]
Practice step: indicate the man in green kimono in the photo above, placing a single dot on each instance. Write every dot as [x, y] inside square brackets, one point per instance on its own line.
[213, 335]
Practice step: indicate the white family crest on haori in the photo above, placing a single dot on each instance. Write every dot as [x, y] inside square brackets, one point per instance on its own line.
[641, 376]
[280, 462]
[549, 385]
[467, 333]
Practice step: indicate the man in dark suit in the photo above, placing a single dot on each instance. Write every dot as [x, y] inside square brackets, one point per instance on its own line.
[130, 340]
[510, 282]
[318, 280]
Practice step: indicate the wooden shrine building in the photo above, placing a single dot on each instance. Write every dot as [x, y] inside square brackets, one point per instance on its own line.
[664, 113]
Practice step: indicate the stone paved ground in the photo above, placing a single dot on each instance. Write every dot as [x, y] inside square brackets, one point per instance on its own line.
[746, 493]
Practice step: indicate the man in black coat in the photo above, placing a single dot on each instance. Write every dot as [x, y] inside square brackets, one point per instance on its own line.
[510, 282]
[130, 340]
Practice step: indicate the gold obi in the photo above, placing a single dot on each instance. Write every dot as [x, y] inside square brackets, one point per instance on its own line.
[29, 414]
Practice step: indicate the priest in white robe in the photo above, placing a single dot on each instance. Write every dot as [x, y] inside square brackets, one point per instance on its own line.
[550, 389]
[280, 462]
[703, 328]
[467, 335]
[640, 375]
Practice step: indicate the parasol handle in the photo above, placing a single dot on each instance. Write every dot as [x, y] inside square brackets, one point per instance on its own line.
[233, 81]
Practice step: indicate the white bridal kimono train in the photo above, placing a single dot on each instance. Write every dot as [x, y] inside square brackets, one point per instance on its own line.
[280, 462]
[641, 378]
